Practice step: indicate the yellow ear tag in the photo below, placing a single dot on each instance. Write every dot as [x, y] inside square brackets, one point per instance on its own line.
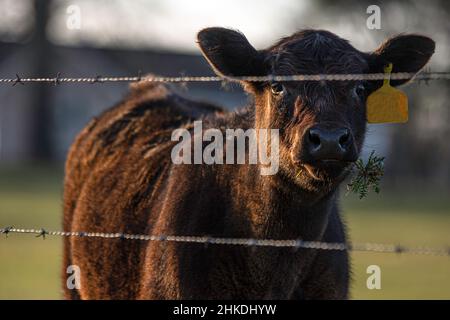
[387, 104]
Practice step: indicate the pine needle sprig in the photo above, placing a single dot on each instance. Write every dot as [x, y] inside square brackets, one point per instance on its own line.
[367, 176]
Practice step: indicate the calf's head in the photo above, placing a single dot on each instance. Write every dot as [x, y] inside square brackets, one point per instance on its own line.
[322, 123]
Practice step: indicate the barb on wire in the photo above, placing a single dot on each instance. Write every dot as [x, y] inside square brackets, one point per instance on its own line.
[17, 80]
[97, 79]
[57, 79]
[139, 76]
[183, 79]
[295, 244]
[6, 231]
[42, 233]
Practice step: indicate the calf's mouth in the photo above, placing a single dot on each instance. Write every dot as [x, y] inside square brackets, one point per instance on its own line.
[327, 169]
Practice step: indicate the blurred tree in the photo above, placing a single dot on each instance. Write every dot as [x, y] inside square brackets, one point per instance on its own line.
[41, 107]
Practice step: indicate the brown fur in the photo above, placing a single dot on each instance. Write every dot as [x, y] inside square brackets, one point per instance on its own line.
[120, 178]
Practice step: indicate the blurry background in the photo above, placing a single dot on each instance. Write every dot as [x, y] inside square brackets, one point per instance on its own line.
[118, 37]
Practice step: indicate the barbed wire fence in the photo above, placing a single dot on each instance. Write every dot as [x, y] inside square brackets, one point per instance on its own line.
[246, 242]
[295, 244]
[425, 76]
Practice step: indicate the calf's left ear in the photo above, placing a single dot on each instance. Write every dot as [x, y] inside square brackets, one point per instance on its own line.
[407, 53]
[229, 53]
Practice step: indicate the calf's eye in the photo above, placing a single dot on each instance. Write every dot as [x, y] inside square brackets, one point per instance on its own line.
[277, 88]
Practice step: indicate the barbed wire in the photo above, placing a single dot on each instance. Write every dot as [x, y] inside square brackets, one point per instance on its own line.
[248, 242]
[181, 79]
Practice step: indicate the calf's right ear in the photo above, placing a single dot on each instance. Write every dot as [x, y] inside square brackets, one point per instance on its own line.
[229, 53]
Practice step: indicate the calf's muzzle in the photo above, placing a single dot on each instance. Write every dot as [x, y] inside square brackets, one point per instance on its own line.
[324, 143]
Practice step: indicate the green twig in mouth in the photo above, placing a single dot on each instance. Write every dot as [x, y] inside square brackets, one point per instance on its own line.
[367, 175]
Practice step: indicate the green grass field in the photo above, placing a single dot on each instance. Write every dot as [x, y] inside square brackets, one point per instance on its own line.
[29, 267]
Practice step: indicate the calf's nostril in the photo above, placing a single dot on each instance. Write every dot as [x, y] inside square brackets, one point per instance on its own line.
[314, 138]
[344, 138]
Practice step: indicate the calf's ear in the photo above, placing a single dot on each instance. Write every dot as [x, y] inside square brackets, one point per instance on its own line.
[229, 52]
[407, 53]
